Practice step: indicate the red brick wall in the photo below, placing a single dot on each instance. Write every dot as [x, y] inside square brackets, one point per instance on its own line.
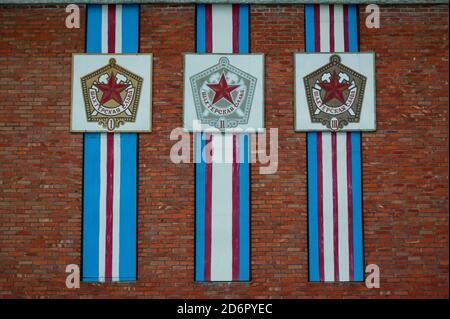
[405, 163]
[405, 173]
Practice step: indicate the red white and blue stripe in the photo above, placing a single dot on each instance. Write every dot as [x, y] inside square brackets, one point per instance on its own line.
[223, 175]
[334, 165]
[110, 164]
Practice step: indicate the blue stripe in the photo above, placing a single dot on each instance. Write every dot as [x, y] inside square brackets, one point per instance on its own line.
[356, 164]
[313, 222]
[352, 28]
[244, 177]
[128, 163]
[130, 28]
[200, 166]
[91, 206]
[200, 177]
[94, 29]
[91, 189]
[243, 29]
[244, 214]
[201, 28]
[128, 206]
[357, 207]
[309, 28]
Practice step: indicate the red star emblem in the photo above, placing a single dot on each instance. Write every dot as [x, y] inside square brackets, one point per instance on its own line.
[222, 90]
[334, 89]
[111, 90]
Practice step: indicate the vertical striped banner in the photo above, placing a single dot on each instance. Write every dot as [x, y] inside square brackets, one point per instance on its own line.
[334, 165]
[110, 164]
[222, 188]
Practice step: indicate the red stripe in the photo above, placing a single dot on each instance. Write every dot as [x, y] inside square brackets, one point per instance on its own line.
[208, 31]
[235, 28]
[346, 47]
[335, 206]
[110, 159]
[208, 209]
[317, 27]
[109, 204]
[350, 204]
[331, 28]
[111, 28]
[320, 203]
[236, 208]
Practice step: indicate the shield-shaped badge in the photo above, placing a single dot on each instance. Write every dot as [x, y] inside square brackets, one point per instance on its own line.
[335, 94]
[111, 95]
[223, 95]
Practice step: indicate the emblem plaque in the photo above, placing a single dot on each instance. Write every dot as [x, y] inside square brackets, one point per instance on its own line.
[223, 92]
[223, 95]
[335, 92]
[111, 93]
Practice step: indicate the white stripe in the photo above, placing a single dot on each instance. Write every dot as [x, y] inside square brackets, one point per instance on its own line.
[342, 205]
[324, 28]
[116, 209]
[105, 28]
[197, 146]
[102, 212]
[327, 207]
[222, 28]
[118, 48]
[218, 150]
[339, 28]
[221, 232]
[228, 148]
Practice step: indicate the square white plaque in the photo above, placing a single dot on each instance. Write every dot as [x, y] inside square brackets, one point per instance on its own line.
[223, 92]
[335, 92]
[111, 93]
